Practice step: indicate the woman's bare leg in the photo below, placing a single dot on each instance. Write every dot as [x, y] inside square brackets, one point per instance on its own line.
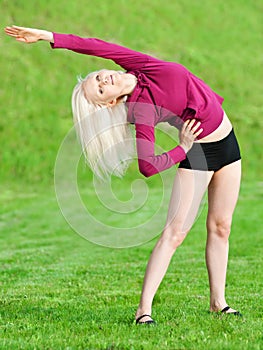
[188, 190]
[223, 192]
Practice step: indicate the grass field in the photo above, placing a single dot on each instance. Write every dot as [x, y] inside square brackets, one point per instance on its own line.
[61, 291]
[221, 46]
[58, 291]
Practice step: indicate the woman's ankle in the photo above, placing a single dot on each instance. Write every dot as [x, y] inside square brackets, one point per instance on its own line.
[217, 305]
[143, 311]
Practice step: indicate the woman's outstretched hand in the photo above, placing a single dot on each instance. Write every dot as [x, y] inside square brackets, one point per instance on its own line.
[189, 132]
[28, 35]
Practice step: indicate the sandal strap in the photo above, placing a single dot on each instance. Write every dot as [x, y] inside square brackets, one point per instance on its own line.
[236, 313]
[142, 316]
[225, 309]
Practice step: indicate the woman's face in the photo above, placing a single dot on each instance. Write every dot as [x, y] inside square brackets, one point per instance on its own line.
[104, 87]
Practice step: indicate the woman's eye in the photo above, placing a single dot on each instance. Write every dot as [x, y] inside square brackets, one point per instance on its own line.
[97, 78]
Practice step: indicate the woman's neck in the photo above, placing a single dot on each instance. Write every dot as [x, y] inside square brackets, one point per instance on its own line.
[131, 82]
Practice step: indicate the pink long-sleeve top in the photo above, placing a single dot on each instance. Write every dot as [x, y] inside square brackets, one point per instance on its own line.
[165, 92]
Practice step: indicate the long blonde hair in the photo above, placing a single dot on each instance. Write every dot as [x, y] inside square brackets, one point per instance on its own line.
[105, 136]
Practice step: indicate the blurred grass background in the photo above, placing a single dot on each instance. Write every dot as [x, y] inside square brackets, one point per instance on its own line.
[61, 292]
[218, 41]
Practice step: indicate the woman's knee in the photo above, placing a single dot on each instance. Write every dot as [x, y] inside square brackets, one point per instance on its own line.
[221, 227]
[173, 236]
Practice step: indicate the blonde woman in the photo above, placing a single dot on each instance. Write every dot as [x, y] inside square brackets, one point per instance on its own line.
[147, 92]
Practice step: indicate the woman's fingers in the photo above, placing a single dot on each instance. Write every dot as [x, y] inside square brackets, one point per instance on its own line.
[198, 132]
[191, 124]
[196, 126]
[189, 132]
[23, 34]
[185, 125]
[15, 32]
[29, 35]
[192, 127]
[10, 31]
[15, 29]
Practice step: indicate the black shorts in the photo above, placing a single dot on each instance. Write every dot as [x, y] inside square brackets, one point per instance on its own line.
[212, 156]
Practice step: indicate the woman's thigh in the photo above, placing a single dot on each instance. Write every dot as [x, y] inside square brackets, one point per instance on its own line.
[223, 193]
[187, 193]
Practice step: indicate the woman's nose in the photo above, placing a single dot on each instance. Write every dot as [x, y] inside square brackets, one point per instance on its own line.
[105, 80]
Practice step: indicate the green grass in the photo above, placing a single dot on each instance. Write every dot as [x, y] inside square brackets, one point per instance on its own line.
[220, 43]
[60, 291]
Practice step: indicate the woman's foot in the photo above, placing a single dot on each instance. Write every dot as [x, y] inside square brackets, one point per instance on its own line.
[144, 319]
[226, 310]
[143, 315]
[229, 310]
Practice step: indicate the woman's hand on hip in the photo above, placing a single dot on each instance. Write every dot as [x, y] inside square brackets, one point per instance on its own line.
[29, 35]
[189, 132]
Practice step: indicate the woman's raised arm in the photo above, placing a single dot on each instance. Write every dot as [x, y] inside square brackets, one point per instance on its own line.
[124, 57]
[29, 35]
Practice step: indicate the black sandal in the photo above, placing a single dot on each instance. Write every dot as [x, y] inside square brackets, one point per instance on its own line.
[146, 322]
[236, 313]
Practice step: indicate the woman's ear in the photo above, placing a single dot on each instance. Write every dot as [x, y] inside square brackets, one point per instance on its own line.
[117, 100]
[112, 103]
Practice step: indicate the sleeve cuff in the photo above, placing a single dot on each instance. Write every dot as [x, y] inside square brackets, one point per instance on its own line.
[55, 44]
[177, 154]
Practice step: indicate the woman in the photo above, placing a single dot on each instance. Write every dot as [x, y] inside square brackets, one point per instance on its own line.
[155, 91]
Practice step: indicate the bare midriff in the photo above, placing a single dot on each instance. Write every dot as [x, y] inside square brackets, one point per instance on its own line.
[222, 131]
